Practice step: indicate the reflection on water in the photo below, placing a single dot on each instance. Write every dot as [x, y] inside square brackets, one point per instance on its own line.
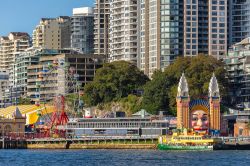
[122, 157]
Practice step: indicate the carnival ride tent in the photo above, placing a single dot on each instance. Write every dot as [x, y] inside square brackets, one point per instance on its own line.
[31, 112]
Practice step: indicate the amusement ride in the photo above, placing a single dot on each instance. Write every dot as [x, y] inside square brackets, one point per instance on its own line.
[54, 83]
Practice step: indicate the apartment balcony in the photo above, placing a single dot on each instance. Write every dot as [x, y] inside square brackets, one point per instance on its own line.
[117, 19]
[116, 48]
[117, 5]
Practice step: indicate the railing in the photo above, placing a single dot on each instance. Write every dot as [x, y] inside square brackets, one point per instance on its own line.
[235, 139]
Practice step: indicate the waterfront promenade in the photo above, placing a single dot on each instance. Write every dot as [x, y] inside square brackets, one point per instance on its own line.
[107, 142]
[110, 142]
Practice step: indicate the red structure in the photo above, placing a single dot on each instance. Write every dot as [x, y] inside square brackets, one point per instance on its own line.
[59, 118]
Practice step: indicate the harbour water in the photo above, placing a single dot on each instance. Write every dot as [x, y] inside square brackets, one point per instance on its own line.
[122, 157]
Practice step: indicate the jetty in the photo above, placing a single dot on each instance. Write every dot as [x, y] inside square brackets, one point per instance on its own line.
[107, 142]
[110, 142]
[234, 143]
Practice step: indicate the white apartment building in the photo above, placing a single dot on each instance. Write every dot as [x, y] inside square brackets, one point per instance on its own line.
[10, 46]
[123, 30]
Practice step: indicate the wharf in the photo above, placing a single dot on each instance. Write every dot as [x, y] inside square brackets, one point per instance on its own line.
[110, 142]
[234, 143]
[82, 143]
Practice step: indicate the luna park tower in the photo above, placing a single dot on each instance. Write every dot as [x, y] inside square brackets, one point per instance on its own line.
[183, 100]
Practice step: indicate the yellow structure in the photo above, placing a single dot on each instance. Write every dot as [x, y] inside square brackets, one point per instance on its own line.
[14, 124]
[31, 112]
[188, 139]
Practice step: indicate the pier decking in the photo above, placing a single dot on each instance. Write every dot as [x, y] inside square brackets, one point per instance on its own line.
[109, 142]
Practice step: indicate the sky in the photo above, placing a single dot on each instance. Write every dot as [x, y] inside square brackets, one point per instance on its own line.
[24, 15]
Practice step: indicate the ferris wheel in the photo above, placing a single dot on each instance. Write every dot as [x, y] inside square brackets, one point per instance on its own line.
[55, 81]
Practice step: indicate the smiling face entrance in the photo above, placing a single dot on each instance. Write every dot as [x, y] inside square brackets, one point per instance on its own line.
[199, 120]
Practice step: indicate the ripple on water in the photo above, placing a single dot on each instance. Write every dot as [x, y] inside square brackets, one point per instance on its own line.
[122, 157]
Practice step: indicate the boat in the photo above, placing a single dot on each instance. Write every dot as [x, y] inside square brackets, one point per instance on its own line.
[187, 141]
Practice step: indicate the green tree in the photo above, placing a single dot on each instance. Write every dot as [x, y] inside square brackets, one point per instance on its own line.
[24, 101]
[198, 71]
[155, 95]
[112, 82]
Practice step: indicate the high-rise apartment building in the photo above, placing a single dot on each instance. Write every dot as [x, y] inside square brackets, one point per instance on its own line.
[101, 27]
[24, 59]
[160, 34]
[53, 33]
[10, 45]
[82, 30]
[116, 29]
[205, 27]
[239, 20]
[123, 30]
[155, 32]
[238, 68]
[174, 28]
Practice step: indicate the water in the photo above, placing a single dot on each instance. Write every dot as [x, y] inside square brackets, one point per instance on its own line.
[122, 157]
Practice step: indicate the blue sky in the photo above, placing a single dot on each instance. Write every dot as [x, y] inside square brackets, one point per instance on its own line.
[24, 15]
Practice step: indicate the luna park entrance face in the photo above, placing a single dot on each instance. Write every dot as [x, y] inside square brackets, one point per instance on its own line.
[199, 120]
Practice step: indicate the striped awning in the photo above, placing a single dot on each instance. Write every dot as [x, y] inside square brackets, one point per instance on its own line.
[198, 102]
[31, 112]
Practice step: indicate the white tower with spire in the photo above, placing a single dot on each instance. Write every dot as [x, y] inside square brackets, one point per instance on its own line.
[182, 100]
[214, 87]
[214, 101]
[183, 87]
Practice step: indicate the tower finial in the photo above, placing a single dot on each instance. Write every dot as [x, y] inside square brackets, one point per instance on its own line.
[183, 87]
[213, 87]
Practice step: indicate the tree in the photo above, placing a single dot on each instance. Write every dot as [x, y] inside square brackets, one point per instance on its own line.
[198, 71]
[114, 81]
[155, 95]
[24, 101]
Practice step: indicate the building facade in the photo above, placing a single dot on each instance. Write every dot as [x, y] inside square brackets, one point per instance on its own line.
[60, 73]
[238, 67]
[52, 33]
[241, 127]
[101, 27]
[10, 47]
[205, 28]
[174, 28]
[153, 33]
[4, 84]
[134, 126]
[13, 125]
[22, 61]
[239, 18]
[123, 30]
[161, 34]
[82, 30]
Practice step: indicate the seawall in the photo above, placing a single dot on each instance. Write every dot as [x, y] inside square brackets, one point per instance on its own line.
[91, 146]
